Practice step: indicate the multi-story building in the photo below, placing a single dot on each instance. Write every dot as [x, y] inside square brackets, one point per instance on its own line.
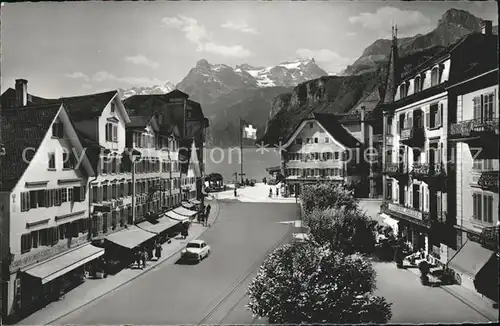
[157, 173]
[420, 178]
[44, 203]
[176, 109]
[473, 140]
[320, 149]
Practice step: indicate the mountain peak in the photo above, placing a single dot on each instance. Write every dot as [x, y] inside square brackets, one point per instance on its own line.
[461, 18]
[202, 63]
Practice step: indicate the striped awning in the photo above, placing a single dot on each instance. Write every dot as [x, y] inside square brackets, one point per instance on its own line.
[187, 204]
[173, 215]
[161, 225]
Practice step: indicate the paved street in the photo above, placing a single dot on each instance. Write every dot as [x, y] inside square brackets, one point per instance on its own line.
[187, 294]
[414, 303]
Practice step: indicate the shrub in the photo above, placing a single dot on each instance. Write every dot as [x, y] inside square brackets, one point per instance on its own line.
[346, 230]
[327, 195]
[306, 284]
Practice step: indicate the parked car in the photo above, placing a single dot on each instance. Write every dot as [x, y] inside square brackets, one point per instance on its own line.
[196, 250]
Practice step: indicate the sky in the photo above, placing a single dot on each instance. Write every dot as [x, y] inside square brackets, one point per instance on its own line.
[66, 48]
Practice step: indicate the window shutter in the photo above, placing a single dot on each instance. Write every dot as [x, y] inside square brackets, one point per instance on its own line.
[76, 194]
[440, 114]
[115, 133]
[55, 236]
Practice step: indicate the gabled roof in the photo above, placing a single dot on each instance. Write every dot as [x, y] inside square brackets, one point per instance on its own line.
[139, 121]
[331, 125]
[10, 93]
[22, 128]
[177, 93]
[87, 106]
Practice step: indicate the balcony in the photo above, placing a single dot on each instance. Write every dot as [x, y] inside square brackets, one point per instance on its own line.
[480, 135]
[413, 137]
[408, 214]
[470, 128]
[489, 180]
[396, 170]
[428, 171]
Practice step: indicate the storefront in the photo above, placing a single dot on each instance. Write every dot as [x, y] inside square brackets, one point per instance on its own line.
[49, 280]
[121, 247]
[164, 228]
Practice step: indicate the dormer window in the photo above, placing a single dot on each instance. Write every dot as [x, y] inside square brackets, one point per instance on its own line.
[57, 130]
[418, 84]
[111, 132]
[403, 90]
[435, 76]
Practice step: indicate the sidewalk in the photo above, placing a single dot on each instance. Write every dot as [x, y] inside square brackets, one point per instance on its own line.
[476, 301]
[93, 289]
[259, 193]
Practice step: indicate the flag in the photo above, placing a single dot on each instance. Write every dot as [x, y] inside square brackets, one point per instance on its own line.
[248, 130]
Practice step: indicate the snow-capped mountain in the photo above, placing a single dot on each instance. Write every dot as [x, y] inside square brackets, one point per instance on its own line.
[290, 73]
[157, 89]
[207, 81]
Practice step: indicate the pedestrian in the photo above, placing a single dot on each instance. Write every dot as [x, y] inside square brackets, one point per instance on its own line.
[150, 251]
[207, 214]
[138, 258]
[277, 191]
[144, 258]
[270, 192]
[265, 181]
[158, 249]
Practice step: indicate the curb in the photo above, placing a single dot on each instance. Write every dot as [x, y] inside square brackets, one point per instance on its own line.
[135, 277]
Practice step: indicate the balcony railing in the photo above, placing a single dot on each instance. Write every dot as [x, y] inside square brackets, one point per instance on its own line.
[406, 211]
[489, 179]
[468, 127]
[395, 168]
[427, 170]
[413, 136]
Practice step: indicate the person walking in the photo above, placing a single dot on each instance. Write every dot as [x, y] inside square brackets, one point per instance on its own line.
[207, 214]
[158, 249]
[144, 258]
[265, 181]
[277, 191]
[138, 258]
[270, 192]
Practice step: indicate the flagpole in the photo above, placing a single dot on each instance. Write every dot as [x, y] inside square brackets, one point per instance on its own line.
[241, 149]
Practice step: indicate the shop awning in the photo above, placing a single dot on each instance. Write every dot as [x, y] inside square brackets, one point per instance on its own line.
[65, 263]
[131, 237]
[173, 215]
[471, 258]
[195, 202]
[184, 211]
[163, 224]
[187, 204]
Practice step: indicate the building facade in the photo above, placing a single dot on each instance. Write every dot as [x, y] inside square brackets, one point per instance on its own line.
[320, 150]
[473, 141]
[45, 240]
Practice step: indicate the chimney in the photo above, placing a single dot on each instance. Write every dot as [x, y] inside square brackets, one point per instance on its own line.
[21, 92]
[486, 27]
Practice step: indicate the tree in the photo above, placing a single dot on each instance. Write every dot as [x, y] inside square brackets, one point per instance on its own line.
[313, 285]
[327, 195]
[349, 231]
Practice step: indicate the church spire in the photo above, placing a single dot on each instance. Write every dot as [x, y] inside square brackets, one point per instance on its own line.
[392, 68]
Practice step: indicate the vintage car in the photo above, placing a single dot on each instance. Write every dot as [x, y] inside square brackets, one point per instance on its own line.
[195, 250]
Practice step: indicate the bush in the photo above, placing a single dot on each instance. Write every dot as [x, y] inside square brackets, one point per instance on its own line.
[349, 231]
[327, 195]
[311, 285]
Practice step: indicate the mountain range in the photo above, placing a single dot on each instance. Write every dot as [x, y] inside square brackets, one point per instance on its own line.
[277, 97]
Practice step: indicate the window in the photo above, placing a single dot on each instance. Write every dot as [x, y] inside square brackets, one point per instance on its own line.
[57, 130]
[111, 132]
[315, 140]
[417, 87]
[34, 238]
[327, 140]
[113, 107]
[308, 140]
[64, 195]
[67, 161]
[25, 243]
[484, 107]
[70, 194]
[402, 91]
[388, 130]
[115, 133]
[25, 201]
[337, 155]
[33, 199]
[52, 161]
[298, 141]
[311, 125]
[483, 165]
[435, 76]
[434, 117]
[482, 207]
[41, 198]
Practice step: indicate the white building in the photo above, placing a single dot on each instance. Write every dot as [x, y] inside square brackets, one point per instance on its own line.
[44, 202]
[320, 149]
